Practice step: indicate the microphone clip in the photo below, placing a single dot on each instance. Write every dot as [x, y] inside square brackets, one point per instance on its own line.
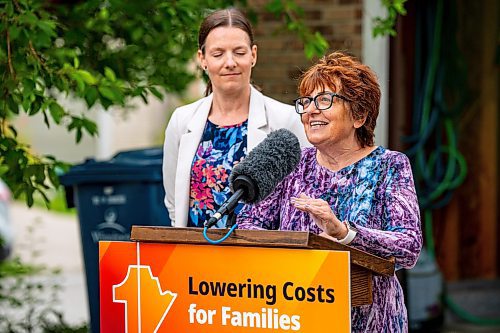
[231, 220]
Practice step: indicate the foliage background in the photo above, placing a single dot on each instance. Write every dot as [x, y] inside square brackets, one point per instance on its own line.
[107, 53]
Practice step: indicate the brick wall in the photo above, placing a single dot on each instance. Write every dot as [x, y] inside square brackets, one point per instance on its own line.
[281, 57]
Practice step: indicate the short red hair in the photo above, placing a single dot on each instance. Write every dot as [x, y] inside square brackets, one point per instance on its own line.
[348, 77]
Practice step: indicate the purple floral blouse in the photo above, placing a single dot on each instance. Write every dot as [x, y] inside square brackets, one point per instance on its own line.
[376, 195]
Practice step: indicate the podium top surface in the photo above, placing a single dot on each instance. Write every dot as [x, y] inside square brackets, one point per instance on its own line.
[262, 238]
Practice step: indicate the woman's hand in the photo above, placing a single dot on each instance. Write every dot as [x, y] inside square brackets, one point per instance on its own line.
[322, 215]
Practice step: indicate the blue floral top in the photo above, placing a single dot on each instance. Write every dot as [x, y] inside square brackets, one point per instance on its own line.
[220, 149]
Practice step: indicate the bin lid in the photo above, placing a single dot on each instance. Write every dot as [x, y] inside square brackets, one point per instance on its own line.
[132, 165]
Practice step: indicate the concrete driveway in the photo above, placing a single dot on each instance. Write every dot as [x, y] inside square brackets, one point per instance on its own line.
[53, 240]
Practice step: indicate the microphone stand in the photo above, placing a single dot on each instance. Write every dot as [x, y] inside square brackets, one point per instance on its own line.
[246, 188]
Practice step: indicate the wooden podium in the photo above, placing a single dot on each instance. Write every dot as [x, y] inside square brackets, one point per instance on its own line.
[363, 265]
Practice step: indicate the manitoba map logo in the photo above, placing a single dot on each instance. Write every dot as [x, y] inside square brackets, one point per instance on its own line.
[146, 304]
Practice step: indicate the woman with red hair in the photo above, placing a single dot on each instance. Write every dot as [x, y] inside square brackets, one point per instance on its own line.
[346, 188]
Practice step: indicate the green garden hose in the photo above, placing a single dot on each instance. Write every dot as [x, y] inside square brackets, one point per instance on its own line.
[438, 166]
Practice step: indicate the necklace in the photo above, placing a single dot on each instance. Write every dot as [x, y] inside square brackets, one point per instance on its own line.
[332, 163]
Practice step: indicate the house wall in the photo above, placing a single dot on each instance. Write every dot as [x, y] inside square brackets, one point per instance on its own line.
[345, 24]
[281, 55]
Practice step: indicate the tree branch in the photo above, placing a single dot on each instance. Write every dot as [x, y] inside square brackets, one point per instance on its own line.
[16, 4]
[35, 54]
[9, 56]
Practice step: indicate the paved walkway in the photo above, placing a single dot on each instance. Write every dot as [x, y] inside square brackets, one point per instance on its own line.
[53, 240]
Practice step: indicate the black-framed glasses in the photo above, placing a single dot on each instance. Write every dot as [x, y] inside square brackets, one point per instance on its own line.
[322, 101]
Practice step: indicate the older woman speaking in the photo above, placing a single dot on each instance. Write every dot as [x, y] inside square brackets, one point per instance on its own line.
[345, 188]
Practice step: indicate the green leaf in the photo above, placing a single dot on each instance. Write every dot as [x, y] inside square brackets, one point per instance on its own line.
[14, 32]
[86, 76]
[13, 106]
[29, 198]
[119, 95]
[137, 91]
[28, 18]
[106, 103]
[107, 92]
[399, 6]
[91, 96]
[79, 81]
[274, 6]
[144, 97]
[46, 119]
[108, 72]
[157, 93]
[3, 169]
[57, 112]
[137, 34]
[90, 126]
[9, 8]
[54, 179]
[13, 130]
[104, 14]
[309, 50]
[318, 44]
[47, 204]
[28, 87]
[78, 135]
[293, 25]
[48, 27]
[36, 106]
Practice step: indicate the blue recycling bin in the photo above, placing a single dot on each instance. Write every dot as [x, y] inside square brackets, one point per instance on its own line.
[110, 197]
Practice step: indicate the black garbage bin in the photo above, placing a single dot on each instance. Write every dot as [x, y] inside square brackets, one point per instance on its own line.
[110, 197]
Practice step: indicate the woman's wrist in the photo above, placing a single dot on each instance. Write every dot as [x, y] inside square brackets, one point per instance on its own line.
[342, 231]
[344, 234]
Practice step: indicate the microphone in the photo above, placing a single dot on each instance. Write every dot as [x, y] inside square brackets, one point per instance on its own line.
[253, 179]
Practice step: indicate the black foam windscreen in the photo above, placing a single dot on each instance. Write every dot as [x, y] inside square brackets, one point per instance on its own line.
[267, 164]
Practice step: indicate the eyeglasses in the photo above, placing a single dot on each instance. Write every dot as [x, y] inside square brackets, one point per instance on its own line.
[322, 101]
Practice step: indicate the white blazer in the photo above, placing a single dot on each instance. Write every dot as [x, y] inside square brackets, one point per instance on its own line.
[184, 132]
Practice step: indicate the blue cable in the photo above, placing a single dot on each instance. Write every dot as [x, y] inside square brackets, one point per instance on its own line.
[218, 241]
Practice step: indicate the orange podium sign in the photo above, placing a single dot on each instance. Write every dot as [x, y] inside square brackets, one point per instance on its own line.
[154, 287]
